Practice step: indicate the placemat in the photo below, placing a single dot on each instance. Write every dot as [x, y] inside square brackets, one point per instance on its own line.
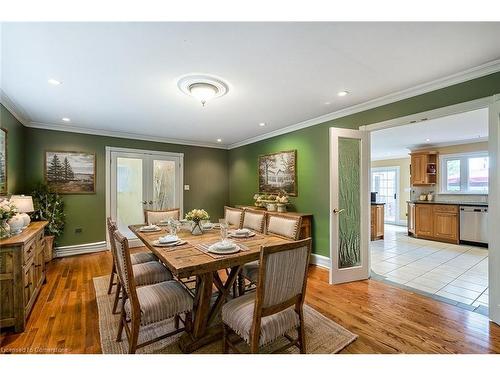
[203, 247]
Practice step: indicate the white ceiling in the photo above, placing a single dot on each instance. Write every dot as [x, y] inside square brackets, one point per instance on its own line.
[467, 127]
[122, 77]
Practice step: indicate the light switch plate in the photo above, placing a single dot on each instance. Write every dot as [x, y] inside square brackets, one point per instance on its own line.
[186, 187]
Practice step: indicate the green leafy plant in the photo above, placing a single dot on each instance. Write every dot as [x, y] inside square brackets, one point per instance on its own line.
[48, 206]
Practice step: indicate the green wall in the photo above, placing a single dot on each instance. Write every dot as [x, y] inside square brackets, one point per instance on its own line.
[205, 170]
[312, 151]
[16, 151]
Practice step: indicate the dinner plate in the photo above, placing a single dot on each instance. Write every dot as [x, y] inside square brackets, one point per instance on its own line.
[172, 240]
[170, 244]
[157, 229]
[215, 250]
[244, 235]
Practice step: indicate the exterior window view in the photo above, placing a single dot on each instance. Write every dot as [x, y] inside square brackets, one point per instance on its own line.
[225, 187]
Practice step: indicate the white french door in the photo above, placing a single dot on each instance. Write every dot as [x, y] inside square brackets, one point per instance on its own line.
[385, 183]
[349, 205]
[140, 180]
[494, 210]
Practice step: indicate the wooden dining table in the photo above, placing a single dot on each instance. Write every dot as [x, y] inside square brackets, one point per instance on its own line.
[189, 261]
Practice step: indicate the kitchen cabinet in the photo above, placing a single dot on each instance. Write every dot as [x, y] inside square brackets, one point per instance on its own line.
[377, 222]
[423, 168]
[436, 222]
[411, 218]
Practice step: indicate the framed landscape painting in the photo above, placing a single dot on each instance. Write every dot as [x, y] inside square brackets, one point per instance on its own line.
[70, 172]
[3, 161]
[278, 172]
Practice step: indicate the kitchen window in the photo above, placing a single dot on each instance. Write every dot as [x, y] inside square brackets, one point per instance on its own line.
[465, 173]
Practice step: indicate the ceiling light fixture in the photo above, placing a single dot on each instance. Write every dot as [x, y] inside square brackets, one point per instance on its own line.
[343, 93]
[54, 82]
[202, 87]
[219, 140]
[262, 124]
[427, 140]
[66, 119]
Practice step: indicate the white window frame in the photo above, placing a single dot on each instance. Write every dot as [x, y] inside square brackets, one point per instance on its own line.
[464, 172]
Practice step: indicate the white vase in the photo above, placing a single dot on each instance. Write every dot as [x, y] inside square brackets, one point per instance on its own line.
[26, 218]
[16, 224]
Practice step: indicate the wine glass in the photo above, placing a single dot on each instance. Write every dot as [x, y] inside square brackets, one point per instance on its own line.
[223, 229]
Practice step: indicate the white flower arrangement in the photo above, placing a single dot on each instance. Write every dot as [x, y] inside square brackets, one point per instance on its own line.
[7, 210]
[197, 215]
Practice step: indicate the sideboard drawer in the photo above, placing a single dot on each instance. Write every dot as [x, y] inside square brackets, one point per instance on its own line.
[29, 250]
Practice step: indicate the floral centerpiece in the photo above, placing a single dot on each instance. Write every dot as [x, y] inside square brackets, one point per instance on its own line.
[7, 211]
[196, 216]
[282, 201]
[272, 202]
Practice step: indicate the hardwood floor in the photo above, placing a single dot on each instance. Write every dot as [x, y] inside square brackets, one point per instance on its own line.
[387, 319]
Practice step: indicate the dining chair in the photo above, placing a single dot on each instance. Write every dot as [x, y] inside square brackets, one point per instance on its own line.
[254, 220]
[137, 258]
[156, 216]
[233, 216]
[145, 272]
[276, 308]
[283, 226]
[148, 304]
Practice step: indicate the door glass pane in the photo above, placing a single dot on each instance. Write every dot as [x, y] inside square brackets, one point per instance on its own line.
[453, 175]
[163, 184]
[129, 195]
[478, 174]
[349, 200]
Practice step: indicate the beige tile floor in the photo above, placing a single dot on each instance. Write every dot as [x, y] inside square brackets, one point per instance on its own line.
[456, 272]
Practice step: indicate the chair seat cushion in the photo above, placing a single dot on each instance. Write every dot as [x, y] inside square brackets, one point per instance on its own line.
[238, 315]
[161, 301]
[150, 273]
[251, 271]
[144, 257]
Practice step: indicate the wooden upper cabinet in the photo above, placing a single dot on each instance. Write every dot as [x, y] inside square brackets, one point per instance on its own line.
[423, 168]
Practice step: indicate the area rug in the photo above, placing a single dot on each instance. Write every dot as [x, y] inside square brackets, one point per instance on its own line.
[323, 336]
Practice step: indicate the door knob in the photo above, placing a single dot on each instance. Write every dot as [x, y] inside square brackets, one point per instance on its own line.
[337, 211]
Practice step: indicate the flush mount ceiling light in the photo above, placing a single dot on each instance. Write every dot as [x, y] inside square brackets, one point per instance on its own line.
[66, 119]
[54, 82]
[262, 124]
[202, 87]
[343, 93]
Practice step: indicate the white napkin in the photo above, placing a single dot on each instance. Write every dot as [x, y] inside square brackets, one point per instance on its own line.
[168, 239]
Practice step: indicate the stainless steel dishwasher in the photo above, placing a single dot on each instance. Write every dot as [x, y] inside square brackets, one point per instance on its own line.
[474, 224]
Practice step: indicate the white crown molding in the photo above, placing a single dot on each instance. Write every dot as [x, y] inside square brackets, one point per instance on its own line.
[320, 261]
[118, 134]
[466, 75]
[15, 109]
[64, 251]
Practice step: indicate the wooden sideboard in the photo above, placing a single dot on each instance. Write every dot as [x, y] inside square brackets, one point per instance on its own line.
[22, 274]
[306, 227]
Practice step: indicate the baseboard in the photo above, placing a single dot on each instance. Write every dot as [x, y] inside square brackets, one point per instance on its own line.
[320, 261]
[64, 251]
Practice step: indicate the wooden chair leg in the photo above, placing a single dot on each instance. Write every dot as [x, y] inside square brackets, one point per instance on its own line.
[188, 322]
[301, 332]
[241, 284]
[120, 326]
[117, 297]
[176, 321]
[112, 278]
[225, 346]
[134, 336]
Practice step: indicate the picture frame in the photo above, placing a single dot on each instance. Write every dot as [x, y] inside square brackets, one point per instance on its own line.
[278, 173]
[70, 172]
[3, 161]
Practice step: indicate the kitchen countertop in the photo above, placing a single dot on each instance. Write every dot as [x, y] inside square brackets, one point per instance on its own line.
[479, 204]
[377, 203]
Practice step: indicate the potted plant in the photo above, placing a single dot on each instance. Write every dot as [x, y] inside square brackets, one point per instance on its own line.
[48, 206]
[282, 201]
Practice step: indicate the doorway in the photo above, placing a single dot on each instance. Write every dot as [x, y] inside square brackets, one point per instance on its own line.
[385, 181]
[142, 180]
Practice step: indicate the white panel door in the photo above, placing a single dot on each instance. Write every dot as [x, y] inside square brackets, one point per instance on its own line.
[494, 211]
